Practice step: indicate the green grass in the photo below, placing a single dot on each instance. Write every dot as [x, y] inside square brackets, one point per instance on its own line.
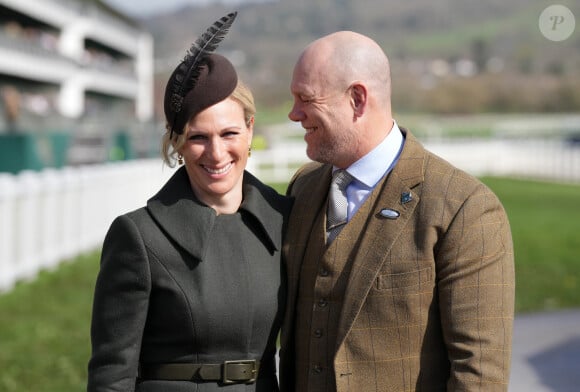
[545, 222]
[44, 324]
[44, 330]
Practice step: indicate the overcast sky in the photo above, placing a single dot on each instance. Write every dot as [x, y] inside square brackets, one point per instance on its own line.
[151, 7]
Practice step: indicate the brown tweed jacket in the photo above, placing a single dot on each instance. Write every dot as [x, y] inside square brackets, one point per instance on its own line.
[430, 298]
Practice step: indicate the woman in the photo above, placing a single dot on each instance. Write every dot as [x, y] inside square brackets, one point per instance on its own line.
[190, 293]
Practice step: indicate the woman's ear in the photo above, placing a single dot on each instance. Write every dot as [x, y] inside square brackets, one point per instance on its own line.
[358, 98]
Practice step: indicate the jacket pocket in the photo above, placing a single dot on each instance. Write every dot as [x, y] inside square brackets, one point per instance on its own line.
[404, 280]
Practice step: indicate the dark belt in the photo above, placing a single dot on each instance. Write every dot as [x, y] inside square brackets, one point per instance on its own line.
[228, 372]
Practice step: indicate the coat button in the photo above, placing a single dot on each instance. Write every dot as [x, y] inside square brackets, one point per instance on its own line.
[318, 333]
[317, 369]
[323, 272]
[322, 303]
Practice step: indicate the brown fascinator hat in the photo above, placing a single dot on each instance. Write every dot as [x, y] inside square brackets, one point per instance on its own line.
[201, 80]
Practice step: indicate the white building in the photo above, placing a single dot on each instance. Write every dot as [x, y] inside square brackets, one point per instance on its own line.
[73, 51]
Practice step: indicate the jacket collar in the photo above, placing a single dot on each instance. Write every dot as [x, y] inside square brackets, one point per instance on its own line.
[411, 166]
[188, 221]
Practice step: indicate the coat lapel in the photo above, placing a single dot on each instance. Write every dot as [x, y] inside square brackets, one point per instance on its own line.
[380, 230]
[181, 216]
[269, 209]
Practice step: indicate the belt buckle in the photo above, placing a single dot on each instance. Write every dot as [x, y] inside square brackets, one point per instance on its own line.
[226, 373]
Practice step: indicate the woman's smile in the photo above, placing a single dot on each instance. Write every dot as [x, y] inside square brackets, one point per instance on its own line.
[217, 170]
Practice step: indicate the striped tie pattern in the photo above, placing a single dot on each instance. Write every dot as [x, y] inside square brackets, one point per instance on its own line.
[337, 204]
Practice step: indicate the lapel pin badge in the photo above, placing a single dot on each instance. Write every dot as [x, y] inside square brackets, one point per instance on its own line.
[389, 213]
[406, 197]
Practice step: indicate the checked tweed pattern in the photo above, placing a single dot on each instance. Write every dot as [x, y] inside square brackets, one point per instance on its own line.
[337, 204]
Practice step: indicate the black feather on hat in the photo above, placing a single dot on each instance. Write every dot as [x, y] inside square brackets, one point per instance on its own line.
[202, 79]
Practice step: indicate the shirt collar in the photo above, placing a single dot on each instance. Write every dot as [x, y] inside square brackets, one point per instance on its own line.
[373, 166]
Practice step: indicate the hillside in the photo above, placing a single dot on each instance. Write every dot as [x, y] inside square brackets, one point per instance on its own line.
[516, 68]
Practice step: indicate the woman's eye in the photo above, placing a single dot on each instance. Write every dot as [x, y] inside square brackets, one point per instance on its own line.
[196, 137]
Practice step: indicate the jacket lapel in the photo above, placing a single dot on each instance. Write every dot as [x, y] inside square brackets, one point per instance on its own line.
[382, 228]
[314, 181]
[315, 186]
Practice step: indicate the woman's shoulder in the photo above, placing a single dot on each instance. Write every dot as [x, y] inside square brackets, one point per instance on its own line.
[135, 218]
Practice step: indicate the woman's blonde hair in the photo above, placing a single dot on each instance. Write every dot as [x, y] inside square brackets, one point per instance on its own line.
[171, 145]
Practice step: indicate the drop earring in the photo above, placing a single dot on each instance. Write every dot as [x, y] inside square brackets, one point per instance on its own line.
[249, 151]
[180, 159]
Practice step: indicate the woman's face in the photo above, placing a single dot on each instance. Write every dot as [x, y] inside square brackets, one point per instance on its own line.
[216, 152]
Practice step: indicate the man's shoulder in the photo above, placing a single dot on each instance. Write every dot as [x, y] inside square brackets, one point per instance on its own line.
[443, 176]
[307, 175]
[437, 172]
[309, 169]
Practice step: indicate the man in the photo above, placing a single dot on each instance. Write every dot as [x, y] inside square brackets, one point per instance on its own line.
[416, 292]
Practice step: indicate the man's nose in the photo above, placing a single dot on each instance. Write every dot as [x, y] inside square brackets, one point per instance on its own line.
[296, 114]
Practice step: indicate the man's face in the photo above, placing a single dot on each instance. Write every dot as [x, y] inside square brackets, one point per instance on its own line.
[325, 112]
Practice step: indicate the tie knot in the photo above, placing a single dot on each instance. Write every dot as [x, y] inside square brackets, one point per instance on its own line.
[337, 203]
[341, 178]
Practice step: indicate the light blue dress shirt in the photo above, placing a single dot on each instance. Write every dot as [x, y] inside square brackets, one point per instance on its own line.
[370, 169]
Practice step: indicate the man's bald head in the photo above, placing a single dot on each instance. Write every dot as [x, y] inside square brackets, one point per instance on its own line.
[344, 57]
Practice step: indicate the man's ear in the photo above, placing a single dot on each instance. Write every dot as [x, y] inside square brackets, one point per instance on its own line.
[358, 98]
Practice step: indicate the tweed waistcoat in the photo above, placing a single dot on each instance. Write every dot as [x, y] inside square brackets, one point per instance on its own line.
[321, 294]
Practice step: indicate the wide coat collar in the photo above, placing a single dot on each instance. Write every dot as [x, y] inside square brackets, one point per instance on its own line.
[188, 221]
[378, 233]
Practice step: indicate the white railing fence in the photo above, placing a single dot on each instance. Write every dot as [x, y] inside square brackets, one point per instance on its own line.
[548, 159]
[54, 215]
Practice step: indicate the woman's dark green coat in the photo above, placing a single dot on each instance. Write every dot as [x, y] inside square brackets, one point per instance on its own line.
[179, 283]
